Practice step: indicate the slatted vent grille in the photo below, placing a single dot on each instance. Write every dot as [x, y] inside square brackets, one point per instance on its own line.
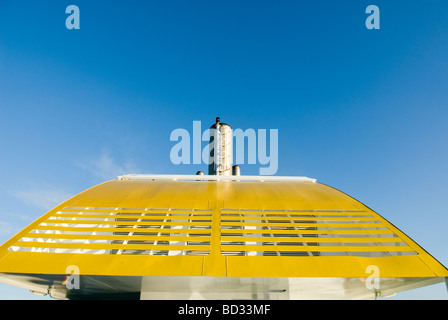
[307, 233]
[244, 232]
[121, 231]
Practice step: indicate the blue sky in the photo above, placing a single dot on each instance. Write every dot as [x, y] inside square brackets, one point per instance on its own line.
[361, 110]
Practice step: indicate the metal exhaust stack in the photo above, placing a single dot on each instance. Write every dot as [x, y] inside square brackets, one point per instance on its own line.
[221, 149]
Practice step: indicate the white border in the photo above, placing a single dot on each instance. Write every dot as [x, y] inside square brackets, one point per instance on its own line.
[195, 177]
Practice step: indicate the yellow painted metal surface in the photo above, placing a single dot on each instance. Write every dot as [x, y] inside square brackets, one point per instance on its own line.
[215, 228]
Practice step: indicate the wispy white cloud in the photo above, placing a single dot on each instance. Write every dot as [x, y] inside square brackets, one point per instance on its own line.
[6, 229]
[40, 200]
[45, 198]
[105, 167]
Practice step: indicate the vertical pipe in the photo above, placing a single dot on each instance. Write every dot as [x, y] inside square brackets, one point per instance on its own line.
[221, 149]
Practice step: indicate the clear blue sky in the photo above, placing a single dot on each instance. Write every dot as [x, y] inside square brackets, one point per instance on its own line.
[362, 110]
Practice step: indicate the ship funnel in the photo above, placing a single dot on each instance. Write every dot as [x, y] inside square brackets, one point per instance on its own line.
[221, 149]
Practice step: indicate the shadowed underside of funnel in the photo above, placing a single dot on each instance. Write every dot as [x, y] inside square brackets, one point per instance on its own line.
[216, 237]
